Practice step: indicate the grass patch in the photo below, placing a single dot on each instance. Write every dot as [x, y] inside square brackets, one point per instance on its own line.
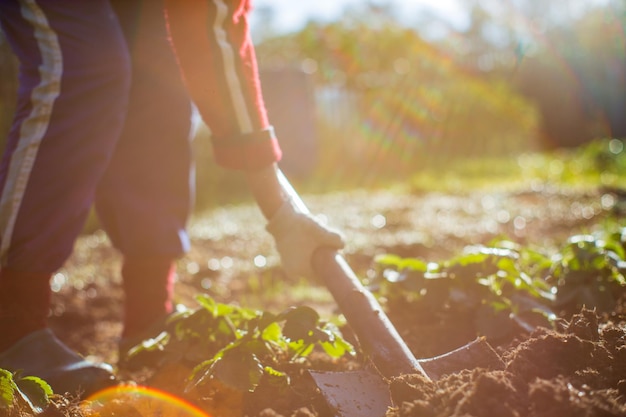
[601, 163]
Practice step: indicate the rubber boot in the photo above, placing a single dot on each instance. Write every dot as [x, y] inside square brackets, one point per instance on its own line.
[41, 354]
[29, 346]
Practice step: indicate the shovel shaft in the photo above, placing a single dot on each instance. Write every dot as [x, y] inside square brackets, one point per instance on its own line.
[377, 336]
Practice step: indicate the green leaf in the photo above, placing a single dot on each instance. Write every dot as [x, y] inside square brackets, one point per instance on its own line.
[300, 323]
[256, 347]
[338, 347]
[226, 310]
[238, 369]
[207, 303]
[36, 391]
[276, 377]
[272, 332]
[200, 373]
[266, 319]
[401, 263]
[150, 345]
[301, 348]
[7, 389]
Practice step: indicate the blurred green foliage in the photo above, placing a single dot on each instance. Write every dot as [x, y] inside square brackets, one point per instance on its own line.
[396, 100]
[506, 286]
[393, 107]
[599, 163]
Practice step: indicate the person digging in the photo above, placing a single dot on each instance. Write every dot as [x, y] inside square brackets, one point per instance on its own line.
[104, 119]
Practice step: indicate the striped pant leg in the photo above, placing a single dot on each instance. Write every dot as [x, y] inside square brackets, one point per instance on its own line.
[145, 196]
[216, 55]
[72, 99]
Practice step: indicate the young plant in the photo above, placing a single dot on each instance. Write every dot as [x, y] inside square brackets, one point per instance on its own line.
[240, 346]
[507, 284]
[28, 393]
[590, 271]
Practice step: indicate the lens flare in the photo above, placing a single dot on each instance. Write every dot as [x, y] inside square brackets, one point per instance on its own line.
[138, 401]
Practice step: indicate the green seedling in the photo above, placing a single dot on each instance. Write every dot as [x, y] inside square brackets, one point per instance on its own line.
[23, 392]
[506, 285]
[242, 345]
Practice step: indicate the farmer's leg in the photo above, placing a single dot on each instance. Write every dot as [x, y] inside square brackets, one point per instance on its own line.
[145, 196]
[74, 80]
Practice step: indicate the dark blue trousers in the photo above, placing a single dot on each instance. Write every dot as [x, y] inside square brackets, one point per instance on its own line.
[102, 117]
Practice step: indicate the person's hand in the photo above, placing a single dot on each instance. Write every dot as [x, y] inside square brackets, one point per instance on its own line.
[297, 235]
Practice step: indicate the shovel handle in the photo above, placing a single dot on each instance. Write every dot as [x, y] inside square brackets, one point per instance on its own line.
[377, 336]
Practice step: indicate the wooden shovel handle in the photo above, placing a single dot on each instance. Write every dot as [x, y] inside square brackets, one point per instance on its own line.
[377, 336]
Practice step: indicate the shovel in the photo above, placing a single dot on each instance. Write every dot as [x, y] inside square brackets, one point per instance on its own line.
[365, 393]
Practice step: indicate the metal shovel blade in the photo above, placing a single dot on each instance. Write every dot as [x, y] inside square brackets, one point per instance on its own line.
[355, 393]
[365, 393]
[476, 354]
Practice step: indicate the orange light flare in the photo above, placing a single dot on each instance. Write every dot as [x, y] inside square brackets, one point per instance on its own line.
[138, 401]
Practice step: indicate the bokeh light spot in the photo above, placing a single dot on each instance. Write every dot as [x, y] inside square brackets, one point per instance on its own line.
[260, 261]
[57, 282]
[607, 201]
[206, 283]
[193, 268]
[616, 146]
[226, 262]
[503, 216]
[213, 264]
[379, 221]
[519, 222]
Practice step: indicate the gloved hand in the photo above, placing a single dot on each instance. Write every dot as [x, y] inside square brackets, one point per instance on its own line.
[297, 235]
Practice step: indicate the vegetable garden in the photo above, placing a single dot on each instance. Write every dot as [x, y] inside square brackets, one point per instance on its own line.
[539, 271]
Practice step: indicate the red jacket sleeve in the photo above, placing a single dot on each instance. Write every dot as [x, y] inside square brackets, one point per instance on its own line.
[216, 56]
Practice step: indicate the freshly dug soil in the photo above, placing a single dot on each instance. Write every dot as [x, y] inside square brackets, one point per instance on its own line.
[578, 369]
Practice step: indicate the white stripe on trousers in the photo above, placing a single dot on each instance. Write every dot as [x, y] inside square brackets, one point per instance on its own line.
[230, 71]
[35, 125]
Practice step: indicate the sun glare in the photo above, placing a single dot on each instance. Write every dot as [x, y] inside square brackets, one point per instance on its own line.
[138, 401]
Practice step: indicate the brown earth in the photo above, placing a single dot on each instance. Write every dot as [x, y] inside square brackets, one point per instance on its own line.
[580, 371]
[577, 370]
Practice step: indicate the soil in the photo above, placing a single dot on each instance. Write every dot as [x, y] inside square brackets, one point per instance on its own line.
[578, 369]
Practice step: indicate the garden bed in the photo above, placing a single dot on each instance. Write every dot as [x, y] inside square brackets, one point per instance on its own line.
[573, 364]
